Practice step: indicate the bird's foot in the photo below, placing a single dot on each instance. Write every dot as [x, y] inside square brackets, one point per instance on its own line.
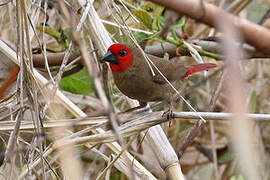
[169, 115]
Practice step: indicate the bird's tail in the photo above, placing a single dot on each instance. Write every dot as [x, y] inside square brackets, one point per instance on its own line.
[197, 68]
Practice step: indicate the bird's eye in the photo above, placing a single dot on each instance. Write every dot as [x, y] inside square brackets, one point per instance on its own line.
[122, 52]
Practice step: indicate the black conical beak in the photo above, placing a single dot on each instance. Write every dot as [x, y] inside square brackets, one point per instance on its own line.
[110, 57]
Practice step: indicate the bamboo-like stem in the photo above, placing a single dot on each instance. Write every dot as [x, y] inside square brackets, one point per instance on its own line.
[241, 130]
[172, 171]
[218, 116]
[69, 161]
[156, 117]
[128, 129]
[168, 160]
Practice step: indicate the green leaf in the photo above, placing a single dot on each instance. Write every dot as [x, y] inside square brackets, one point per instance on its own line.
[119, 37]
[192, 102]
[159, 21]
[144, 17]
[226, 157]
[115, 176]
[155, 35]
[151, 7]
[253, 102]
[79, 83]
[63, 36]
[66, 37]
[156, 11]
[50, 31]
[174, 35]
[179, 26]
[181, 23]
[140, 36]
[237, 177]
[184, 127]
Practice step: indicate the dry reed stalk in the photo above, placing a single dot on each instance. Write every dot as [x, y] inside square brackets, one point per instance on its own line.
[219, 116]
[24, 48]
[241, 128]
[93, 121]
[164, 152]
[69, 159]
[212, 105]
[150, 119]
[237, 6]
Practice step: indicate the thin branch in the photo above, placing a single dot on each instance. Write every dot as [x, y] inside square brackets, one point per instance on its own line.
[150, 117]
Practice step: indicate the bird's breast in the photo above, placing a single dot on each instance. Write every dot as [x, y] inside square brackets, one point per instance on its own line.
[138, 84]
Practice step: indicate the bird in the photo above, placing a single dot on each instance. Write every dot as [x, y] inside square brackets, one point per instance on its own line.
[133, 77]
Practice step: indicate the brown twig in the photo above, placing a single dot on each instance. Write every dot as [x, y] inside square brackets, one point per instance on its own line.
[162, 48]
[253, 34]
[193, 133]
[171, 19]
[265, 17]
[54, 59]
[196, 129]
[212, 105]
[213, 44]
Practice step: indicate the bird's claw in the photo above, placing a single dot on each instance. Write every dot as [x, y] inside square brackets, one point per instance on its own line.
[169, 115]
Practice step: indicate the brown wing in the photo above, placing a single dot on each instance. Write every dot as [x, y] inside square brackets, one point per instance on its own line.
[172, 70]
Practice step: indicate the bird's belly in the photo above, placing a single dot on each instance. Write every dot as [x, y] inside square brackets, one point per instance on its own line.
[143, 89]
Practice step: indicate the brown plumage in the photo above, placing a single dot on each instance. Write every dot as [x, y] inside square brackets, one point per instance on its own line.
[133, 76]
